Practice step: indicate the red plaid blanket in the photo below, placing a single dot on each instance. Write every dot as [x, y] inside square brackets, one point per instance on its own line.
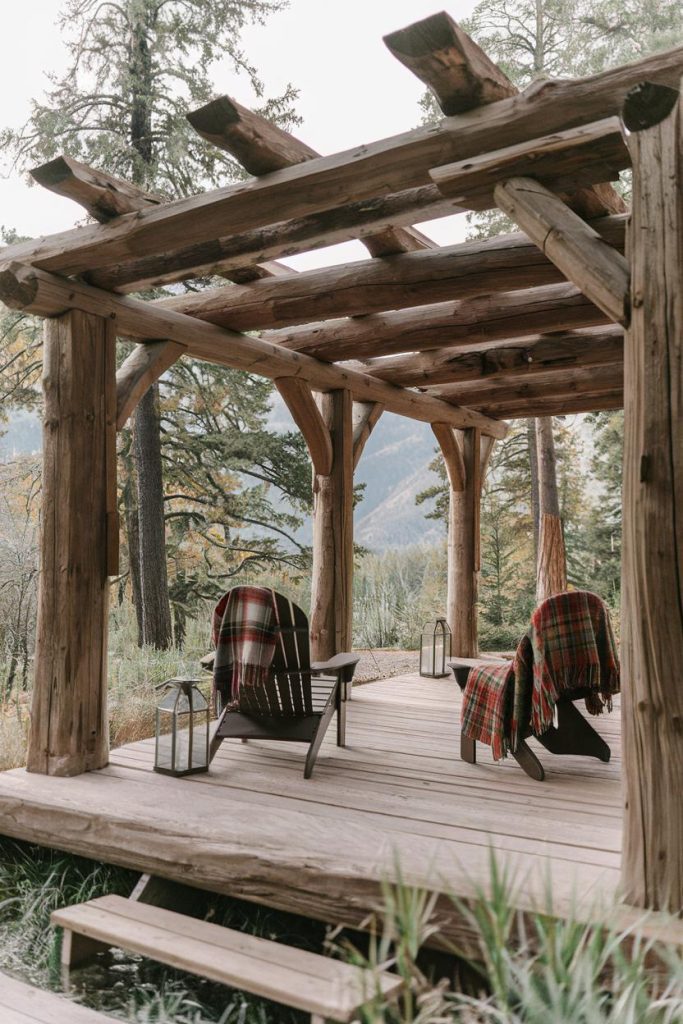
[569, 645]
[245, 633]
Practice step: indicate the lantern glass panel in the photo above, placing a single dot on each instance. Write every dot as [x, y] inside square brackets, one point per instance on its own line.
[182, 729]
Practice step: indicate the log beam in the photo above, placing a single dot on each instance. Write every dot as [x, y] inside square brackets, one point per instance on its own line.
[575, 248]
[367, 172]
[525, 357]
[48, 295]
[298, 398]
[557, 384]
[464, 323]
[102, 195]
[69, 727]
[652, 568]
[469, 269]
[464, 550]
[565, 405]
[565, 161]
[332, 571]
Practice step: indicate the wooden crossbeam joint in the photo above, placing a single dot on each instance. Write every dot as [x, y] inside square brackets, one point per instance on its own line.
[298, 398]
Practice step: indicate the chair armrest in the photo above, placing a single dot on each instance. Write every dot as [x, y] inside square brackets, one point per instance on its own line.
[342, 665]
[207, 661]
[461, 667]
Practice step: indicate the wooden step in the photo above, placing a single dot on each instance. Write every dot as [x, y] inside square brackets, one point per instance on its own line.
[306, 981]
[24, 1004]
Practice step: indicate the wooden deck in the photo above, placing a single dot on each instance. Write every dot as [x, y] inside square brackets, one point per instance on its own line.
[398, 793]
[24, 1004]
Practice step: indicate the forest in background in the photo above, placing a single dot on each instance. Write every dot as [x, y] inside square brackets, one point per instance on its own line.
[211, 494]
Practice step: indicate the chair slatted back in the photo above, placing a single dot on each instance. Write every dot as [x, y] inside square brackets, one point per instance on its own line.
[286, 692]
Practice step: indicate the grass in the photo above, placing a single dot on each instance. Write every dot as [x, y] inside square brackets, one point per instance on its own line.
[528, 970]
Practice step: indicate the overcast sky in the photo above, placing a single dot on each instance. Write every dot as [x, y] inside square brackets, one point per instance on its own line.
[351, 89]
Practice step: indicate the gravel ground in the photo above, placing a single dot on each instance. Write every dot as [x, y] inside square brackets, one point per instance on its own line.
[383, 664]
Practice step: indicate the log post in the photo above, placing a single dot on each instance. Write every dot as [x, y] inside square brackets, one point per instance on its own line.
[652, 574]
[69, 729]
[332, 574]
[465, 457]
[551, 562]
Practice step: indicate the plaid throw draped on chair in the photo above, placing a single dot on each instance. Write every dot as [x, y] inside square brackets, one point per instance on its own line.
[569, 646]
[245, 631]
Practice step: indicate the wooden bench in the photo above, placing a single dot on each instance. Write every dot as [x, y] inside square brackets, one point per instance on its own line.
[327, 989]
[24, 1004]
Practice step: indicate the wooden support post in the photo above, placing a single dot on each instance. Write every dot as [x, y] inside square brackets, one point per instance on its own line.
[466, 456]
[69, 729]
[652, 574]
[332, 576]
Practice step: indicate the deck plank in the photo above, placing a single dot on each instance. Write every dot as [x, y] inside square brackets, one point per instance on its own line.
[25, 1004]
[255, 828]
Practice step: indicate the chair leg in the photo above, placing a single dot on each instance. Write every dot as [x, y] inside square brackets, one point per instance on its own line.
[341, 723]
[526, 759]
[319, 735]
[574, 735]
[468, 749]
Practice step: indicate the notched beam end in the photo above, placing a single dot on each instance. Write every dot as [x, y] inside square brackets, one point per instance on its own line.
[647, 104]
[18, 286]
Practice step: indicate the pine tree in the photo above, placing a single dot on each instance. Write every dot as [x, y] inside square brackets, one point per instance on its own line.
[136, 68]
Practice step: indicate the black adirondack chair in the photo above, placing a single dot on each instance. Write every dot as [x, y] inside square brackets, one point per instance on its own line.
[299, 698]
[572, 734]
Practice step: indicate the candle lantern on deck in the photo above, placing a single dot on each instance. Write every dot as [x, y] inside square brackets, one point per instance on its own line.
[182, 728]
[435, 648]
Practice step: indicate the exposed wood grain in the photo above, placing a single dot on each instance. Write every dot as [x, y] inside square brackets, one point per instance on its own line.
[558, 383]
[577, 250]
[451, 450]
[332, 570]
[69, 729]
[48, 295]
[525, 357]
[469, 269]
[102, 195]
[261, 147]
[652, 570]
[365, 417]
[298, 398]
[463, 323]
[145, 364]
[463, 550]
[565, 405]
[25, 1004]
[381, 168]
[450, 63]
[587, 155]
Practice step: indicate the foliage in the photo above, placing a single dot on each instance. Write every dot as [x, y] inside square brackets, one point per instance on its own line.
[395, 593]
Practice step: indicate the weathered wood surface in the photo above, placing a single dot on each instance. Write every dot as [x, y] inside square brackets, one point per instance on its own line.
[48, 295]
[261, 147]
[26, 1004]
[142, 368]
[253, 827]
[298, 978]
[588, 155]
[565, 405]
[465, 270]
[451, 449]
[486, 392]
[487, 318]
[652, 570]
[463, 550]
[450, 63]
[462, 76]
[551, 564]
[102, 195]
[577, 250]
[298, 398]
[332, 570]
[523, 357]
[366, 172]
[69, 728]
[365, 417]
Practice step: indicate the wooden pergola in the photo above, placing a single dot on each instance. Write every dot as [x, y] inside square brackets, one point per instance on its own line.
[553, 320]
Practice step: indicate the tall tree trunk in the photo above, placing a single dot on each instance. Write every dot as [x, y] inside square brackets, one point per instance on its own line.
[533, 468]
[156, 609]
[551, 577]
[153, 607]
[130, 502]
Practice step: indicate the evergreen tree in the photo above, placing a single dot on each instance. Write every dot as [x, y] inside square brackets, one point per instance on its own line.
[136, 68]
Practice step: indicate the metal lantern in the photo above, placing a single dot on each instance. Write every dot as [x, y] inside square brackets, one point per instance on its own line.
[182, 728]
[435, 648]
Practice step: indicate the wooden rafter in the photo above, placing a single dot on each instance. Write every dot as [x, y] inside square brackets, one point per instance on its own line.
[487, 393]
[566, 405]
[462, 76]
[573, 245]
[379, 169]
[523, 357]
[142, 368]
[49, 295]
[261, 147]
[588, 155]
[371, 286]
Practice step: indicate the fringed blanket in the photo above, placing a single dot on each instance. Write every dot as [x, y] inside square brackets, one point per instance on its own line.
[245, 632]
[569, 646]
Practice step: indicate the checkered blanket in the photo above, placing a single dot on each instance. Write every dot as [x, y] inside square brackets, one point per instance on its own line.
[569, 645]
[245, 633]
